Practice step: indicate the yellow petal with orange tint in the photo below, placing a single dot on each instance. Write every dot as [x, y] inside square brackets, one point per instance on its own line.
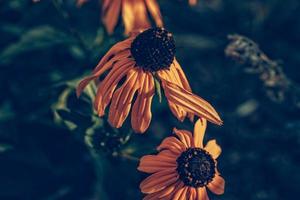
[213, 148]
[199, 131]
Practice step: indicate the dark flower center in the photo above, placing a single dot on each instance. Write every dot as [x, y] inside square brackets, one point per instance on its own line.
[196, 167]
[153, 49]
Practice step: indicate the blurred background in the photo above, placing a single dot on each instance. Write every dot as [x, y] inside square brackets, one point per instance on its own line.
[53, 147]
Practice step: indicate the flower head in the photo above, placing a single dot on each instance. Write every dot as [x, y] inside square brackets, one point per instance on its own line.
[134, 65]
[134, 14]
[184, 168]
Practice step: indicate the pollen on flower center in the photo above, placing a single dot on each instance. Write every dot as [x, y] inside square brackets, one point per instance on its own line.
[153, 49]
[196, 167]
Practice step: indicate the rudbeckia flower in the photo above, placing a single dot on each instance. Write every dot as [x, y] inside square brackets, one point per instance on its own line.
[134, 65]
[184, 168]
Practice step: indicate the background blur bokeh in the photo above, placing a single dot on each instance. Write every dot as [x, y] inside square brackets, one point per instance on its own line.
[52, 147]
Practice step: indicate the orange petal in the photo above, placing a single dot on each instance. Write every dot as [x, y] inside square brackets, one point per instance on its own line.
[105, 4]
[192, 2]
[168, 154]
[192, 193]
[158, 181]
[181, 194]
[177, 111]
[202, 194]
[152, 164]
[100, 69]
[199, 131]
[110, 15]
[79, 3]
[166, 193]
[190, 102]
[114, 51]
[185, 137]
[179, 184]
[181, 81]
[213, 148]
[172, 144]
[182, 76]
[155, 12]
[134, 15]
[217, 185]
[122, 99]
[108, 85]
[141, 110]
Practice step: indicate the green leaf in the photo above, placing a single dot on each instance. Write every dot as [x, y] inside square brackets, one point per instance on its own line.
[5, 147]
[38, 38]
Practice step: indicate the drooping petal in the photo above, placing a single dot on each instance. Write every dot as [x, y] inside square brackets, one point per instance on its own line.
[202, 194]
[154, 10]
[199, 131]
[134, 15]
[217, 185]
[181, 80]
[185, 137]
[158, 181]
[213, 148]
[177, 111]
[100, 69]
[122, 99]
[182, 76]
[110, 14]
[108, 85]
[165, 194]
[141, 110]
[113, 51]
[190, 102]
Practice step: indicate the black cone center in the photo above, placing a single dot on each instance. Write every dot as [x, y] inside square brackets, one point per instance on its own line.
[153, 49]
[196, 167]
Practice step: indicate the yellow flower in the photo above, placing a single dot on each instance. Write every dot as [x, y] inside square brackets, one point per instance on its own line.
[134, 14]
[140, 60]
[184, 168]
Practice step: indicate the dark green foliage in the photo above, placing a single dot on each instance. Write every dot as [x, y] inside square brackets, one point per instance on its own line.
[53, 146]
